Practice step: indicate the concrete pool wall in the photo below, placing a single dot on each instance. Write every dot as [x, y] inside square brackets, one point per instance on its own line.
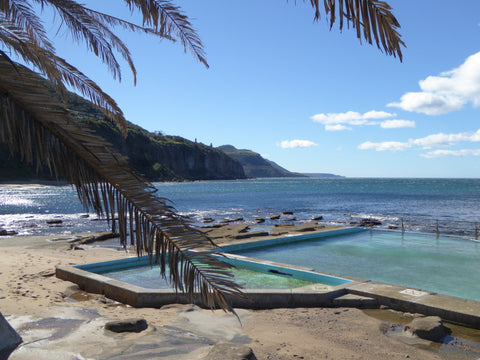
[323, 288]
[353, 292]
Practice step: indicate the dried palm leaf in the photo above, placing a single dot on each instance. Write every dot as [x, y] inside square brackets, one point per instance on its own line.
[40, 129]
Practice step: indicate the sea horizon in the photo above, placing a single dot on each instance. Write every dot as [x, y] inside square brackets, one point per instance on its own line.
[422, 204]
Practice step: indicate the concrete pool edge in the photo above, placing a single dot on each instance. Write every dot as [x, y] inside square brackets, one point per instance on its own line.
[253, 244]
[358, 293]
[401, 298]
[137, 296]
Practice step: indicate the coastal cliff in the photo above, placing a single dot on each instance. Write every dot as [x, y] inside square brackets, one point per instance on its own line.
[255, 166]
[156, 156]
[164, 158]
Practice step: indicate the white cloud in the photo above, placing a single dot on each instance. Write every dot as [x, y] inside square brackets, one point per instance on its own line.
[373, 114]
[339, 121]
[384, 146]
[396, 124]
[290, 144]
[456, 153]
[444, 140]
[336, 127]
[448, 92]
[429, 103]
[427, 142]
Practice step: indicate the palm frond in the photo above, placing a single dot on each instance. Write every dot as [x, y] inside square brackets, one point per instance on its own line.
[20, 13]
[372, 19]
[99, 39]
[167, 18]
[43, 132]
[58, 71]
[115, 21]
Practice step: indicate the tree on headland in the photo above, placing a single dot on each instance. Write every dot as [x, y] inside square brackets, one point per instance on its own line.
[39, 127]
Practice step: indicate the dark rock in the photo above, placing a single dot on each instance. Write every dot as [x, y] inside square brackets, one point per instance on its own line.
[230, 351]
[259, 220]
[317, 218]
[84, 216]
[393, 227]
[229, 220]
[306, 228]
[274, 217]
[370, 222]
[54, 221]
[208, 220]
[100, 236]
[210, 227]
[9, 338]
[428, 328]
[127, 325]
[243, 229]
[251, 234]
[4, 232]
[287, 212]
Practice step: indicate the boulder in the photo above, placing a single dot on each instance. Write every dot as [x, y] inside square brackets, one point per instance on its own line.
[4, 232]
[9, 338]
[428, 328]
[317, 218]
[230, 351]
[54, 221]
[274, 217]
[251, 235]
[127, 325]
[287, 212]
[370, 222]
[259, 220]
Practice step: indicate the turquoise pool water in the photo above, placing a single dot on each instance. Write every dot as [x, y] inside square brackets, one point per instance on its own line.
[149, 277]
[250, 274]
[445, 265]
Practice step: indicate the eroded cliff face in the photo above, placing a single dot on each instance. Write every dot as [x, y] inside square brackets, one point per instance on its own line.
[157, 157]
[184, 161]
[164, 158]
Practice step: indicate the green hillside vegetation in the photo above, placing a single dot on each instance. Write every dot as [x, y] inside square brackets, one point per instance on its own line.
[156, 156]
[254, 165]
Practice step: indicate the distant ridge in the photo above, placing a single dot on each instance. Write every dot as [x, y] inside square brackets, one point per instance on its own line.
[322, 175]
[254, 165]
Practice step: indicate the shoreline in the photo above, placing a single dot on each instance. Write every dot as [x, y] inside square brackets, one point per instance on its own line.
[31, 294]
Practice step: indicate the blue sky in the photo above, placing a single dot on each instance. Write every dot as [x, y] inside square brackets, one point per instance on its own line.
[311, 99]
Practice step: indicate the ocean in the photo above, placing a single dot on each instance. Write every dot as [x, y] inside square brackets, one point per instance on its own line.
[450, 205]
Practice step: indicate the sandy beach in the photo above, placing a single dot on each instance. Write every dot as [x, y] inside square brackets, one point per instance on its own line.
[56, 320]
